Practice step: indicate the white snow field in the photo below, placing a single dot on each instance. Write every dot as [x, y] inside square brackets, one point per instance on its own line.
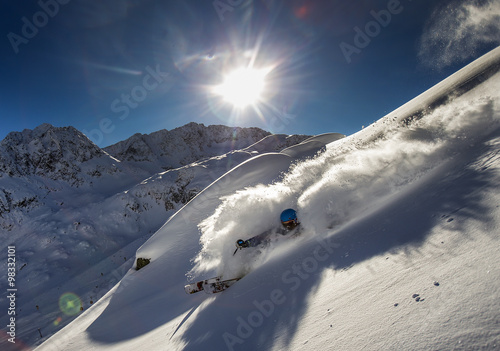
[399, 248]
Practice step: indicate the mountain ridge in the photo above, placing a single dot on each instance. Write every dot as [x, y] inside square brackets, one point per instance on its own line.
[38, 166]
[189, 143]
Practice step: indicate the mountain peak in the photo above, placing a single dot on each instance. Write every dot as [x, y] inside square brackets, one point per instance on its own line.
[43, 128]
[183, 145]
[46, 150]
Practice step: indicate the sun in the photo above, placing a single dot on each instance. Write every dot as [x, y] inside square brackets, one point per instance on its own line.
[243, 87]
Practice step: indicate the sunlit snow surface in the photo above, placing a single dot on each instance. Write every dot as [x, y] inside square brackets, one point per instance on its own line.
[398, 249]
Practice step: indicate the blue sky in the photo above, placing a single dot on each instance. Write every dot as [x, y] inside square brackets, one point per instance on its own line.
[119, 67]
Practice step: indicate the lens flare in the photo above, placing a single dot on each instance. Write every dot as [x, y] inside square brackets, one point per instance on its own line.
[58, 321]
[70, 304]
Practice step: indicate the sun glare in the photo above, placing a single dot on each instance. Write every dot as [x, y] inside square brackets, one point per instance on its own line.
[243, 87]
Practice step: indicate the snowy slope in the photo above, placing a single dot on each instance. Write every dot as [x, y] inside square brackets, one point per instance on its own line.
[398, 250]
[77, 215]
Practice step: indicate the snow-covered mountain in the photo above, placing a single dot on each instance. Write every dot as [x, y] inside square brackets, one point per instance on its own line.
[36, 164]
[54, 153]
[76, 214]
[181, 146]
[398, 248]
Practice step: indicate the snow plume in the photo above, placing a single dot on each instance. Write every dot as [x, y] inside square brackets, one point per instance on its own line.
[457, 31]
[355, 184]
[242, 215]
[342, 184]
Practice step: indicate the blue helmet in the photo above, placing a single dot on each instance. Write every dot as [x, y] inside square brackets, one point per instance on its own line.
[288, 215]
[289, 218]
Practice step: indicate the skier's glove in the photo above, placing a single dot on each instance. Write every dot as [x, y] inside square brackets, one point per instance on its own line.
[240, 244]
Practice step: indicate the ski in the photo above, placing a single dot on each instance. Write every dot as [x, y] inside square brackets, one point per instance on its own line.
[219, 285]
[210, 286]
[193, 287]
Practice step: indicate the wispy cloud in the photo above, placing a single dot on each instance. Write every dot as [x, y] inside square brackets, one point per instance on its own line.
[458, 31]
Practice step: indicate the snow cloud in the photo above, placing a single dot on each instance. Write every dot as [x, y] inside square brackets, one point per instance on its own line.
[455, 32]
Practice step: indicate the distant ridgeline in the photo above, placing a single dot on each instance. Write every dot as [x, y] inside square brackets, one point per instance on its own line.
[39, 167]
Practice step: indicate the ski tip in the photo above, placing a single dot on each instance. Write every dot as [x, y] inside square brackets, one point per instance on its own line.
[193, 288]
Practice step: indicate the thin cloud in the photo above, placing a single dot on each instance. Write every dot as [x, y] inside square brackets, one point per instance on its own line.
[459, 31]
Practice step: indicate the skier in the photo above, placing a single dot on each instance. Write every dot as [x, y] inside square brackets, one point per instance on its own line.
[289, 221]
[218, 284]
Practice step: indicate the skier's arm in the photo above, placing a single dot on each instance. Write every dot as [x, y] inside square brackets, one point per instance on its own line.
[253, 241]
